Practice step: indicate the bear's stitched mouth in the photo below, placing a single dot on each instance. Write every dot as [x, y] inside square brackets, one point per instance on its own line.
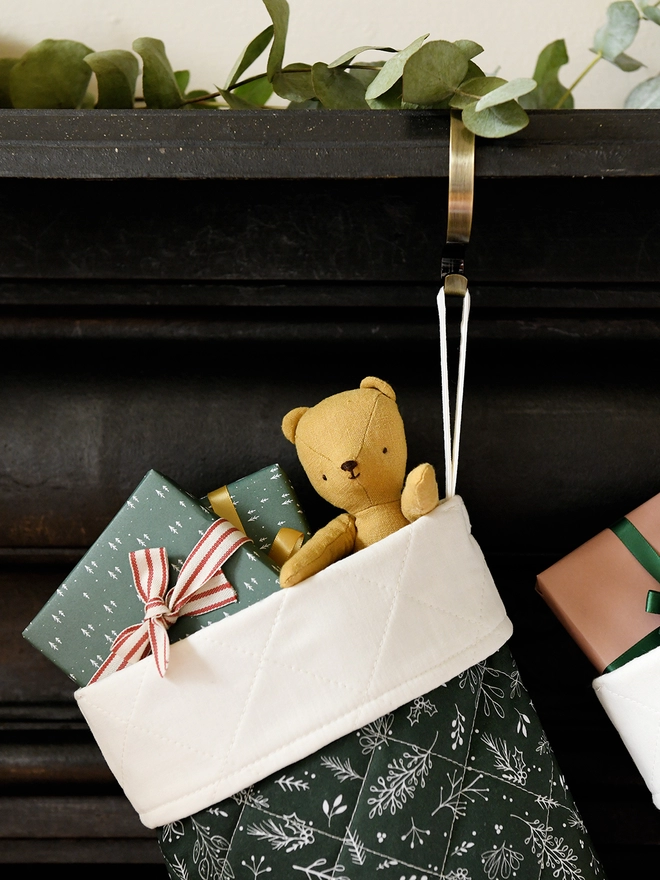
[353, 476]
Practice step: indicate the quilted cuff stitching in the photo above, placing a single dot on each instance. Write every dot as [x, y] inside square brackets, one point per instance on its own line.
[655, 712]
[486, 583]
[386, 627]
[128, 723]
[342, 684]
[237, 649]
[362, 691]
[217, 640]
[602, 687]
[360, 579]
[449, 657]
[248, 698]
[212, 755]
[336, 719]
[150, 732]
[471, 619]
[656, 749]
[294, 668]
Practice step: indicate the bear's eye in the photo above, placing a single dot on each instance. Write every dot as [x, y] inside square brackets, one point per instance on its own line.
[324, 477]
[385, 449]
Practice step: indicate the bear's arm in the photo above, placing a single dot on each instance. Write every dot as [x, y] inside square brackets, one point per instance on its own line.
[326, 546]
[420, 494]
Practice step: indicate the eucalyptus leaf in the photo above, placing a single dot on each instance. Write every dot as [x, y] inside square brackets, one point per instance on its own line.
[444, 104]
[495, 122]
[652, 13]
[472, 90]
[237, 103]
[473, 71]
[182, 78]
[116, 73]
[508, 92]
[338, 90]
[469, 48]
[619, 31]
[645, 96]
[51, 75]
[159, 84]
[347, 57]
[433, 73]
[312, 104]
[294, 83]
[549, 91]
[256, 92]
[364, 74]
[392, 70]
[249, 55]
[625, 62]
[279, 15]
[6, 65]
[389, 100]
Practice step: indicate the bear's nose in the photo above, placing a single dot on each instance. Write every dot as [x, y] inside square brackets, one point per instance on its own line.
[349, 466]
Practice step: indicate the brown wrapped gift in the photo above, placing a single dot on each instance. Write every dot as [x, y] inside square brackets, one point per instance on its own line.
[599, 591]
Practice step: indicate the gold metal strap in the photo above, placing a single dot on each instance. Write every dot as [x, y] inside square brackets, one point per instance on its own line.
[461, 180]
[459, 204]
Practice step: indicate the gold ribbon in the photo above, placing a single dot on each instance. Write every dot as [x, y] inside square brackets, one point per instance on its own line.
[223, 505]
[287, 541]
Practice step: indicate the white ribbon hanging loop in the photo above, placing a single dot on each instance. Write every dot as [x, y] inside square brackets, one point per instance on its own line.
[451, 442]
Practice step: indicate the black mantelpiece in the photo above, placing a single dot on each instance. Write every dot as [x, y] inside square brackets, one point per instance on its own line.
[150, 261]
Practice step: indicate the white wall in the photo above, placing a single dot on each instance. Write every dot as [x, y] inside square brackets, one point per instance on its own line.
[206, 36]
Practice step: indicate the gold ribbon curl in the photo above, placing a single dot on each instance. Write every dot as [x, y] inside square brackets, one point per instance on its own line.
[286, 542]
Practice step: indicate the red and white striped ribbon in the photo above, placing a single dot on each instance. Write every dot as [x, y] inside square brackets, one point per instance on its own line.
[201, 587]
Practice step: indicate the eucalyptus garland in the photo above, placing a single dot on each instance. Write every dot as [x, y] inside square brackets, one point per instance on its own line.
[436, 74]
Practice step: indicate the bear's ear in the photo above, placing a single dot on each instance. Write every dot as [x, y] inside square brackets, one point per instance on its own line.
[290, 422]
[379, 385]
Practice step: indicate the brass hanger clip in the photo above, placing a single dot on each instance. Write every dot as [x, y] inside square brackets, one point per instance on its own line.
[459, 208]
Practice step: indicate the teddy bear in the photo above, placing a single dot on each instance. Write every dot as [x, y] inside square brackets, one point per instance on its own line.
[352, 447]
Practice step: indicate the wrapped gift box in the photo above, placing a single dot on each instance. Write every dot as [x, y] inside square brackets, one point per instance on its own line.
[599, 591]
[264, 505]
[76, 627]
[607, 595]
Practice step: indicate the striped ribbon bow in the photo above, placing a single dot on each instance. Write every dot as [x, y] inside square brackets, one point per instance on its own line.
[201, 587]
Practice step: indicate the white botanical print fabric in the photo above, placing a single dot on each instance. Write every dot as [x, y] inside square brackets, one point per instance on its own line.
[460, 784]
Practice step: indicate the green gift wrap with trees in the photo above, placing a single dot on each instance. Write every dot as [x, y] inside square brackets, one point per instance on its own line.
[98, 600]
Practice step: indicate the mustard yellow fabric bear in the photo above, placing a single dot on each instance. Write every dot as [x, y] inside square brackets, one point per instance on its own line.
[353, 449]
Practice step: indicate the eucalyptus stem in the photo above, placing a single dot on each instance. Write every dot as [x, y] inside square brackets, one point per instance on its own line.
[569, 90]
[257, 76]
[244, 82]
[200, 99]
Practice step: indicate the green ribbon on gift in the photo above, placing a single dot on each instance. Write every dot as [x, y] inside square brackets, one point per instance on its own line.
[645, 554]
